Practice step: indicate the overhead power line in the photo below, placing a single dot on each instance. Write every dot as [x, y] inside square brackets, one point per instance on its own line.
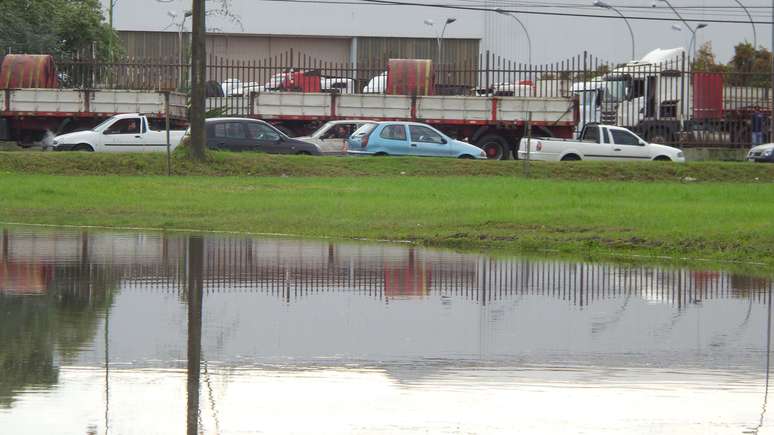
[561, 14]
[514, 11]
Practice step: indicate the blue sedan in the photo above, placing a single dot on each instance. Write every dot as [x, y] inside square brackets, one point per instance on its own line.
[408, 139]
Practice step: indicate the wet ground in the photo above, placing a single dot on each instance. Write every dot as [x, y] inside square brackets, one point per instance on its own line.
[126, 333]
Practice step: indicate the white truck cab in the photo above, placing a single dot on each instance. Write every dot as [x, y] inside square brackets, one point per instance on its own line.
[598, 142]
[129, 132]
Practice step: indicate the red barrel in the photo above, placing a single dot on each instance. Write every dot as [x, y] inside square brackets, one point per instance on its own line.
[410, 77]
[28, 71]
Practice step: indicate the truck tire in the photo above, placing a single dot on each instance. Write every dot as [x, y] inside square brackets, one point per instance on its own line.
[495, 147]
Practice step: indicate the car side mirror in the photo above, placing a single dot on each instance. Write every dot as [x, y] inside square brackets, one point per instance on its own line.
[108, 132]
[444, 141]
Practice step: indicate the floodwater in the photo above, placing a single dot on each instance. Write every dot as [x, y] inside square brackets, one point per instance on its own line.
[127, 333]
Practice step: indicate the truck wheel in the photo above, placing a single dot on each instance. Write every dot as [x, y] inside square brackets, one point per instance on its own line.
[83, 147]
[495, 147]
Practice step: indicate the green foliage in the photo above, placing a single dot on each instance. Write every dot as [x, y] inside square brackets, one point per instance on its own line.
[705, 60]
[750, 66]
[64, 28]
[705, 220]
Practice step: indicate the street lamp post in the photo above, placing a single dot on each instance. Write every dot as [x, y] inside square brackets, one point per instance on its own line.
[601, 4]
[180, 28]
[691, 29]
[752, 23]
[529, 40]
[693, 37]
[439, 37]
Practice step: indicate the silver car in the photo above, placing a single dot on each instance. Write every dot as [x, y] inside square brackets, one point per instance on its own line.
[332, 137]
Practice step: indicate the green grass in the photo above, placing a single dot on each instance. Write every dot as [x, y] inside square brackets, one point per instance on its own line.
[718, 221]
[249, 164]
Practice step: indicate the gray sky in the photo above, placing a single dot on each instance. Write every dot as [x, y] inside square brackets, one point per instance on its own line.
[553, 38]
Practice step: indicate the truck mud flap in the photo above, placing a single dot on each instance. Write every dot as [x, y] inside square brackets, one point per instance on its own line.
[4, 133]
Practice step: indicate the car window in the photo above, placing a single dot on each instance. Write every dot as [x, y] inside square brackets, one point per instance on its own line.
[591, 134]
[260, 131]
[394, 132]
[622, 137]
[339, 131]
[125, 126]
[364, 129]
[231, 130]
[420, 133]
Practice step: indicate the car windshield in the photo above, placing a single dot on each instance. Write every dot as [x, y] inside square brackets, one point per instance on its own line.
[364, 129]
[320, 131]
[103, 123]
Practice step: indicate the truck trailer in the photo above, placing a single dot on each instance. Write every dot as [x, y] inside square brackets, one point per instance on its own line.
[33, 108]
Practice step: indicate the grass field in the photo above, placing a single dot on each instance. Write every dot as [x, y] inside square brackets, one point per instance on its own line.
[719, 221]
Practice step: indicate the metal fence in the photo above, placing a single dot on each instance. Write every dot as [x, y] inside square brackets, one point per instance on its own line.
[668, 101]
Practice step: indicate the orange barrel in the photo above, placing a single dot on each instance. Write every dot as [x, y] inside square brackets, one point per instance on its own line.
[28, 71]
[410, 77]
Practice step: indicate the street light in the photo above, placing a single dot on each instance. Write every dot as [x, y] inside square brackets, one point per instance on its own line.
[601, 4]
[693, 32]
[439, 37]
[693, 37]
[180, 28]
[752, 23]
[529, 40]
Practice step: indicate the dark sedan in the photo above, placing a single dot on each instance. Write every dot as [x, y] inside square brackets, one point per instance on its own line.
[244, 134]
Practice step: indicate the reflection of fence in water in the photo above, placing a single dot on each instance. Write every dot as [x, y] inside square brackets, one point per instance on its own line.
[295, 269]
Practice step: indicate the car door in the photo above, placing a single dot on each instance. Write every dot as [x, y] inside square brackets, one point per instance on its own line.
[229, 136]
[427, 142]
[628, 146]
[124, 135]
[595, 143]
[334, 139]
[392, 140]
[266, 139]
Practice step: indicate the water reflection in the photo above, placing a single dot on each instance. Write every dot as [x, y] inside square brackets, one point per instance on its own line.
[107, 332]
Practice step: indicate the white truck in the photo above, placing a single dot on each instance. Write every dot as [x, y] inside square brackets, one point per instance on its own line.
[130, 132]
[598, 142]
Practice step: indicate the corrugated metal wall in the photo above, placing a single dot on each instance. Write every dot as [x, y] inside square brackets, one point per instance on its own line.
[376, 51]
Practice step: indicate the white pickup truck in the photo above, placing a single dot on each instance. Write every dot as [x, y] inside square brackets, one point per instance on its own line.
[130, 132]
[598, 142]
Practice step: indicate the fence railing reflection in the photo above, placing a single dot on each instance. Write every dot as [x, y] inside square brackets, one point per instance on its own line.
[293, 270]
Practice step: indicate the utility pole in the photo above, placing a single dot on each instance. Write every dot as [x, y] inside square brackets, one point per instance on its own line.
[198, 70]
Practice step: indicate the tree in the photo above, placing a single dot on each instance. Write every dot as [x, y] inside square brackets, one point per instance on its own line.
[705, 60]
[750, 66]
[63, 28]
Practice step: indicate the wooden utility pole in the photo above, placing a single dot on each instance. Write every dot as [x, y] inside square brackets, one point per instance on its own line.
[198, 56]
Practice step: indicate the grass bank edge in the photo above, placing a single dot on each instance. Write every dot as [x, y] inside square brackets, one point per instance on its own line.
[256, 164]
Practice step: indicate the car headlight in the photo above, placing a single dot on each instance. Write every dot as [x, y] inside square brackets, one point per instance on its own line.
[768, 152]
[55, 142]
[482, 154]
[680, 154]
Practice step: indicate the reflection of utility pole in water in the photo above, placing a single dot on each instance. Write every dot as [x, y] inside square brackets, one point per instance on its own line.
[195, 282]
[768, 362]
